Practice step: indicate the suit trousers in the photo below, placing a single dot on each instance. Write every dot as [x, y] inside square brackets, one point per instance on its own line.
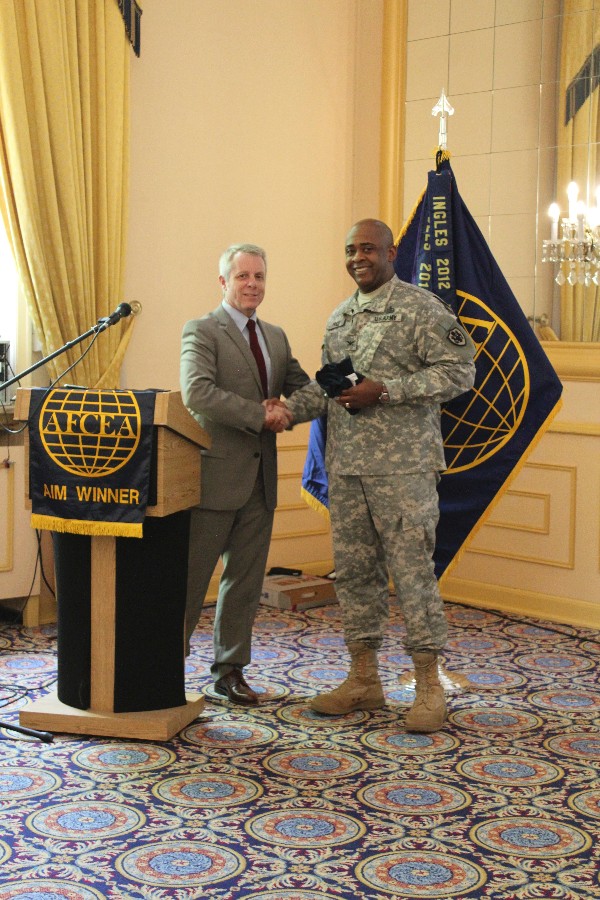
[241, 538]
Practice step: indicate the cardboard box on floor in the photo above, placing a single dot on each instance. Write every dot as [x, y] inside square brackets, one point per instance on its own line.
[297, 592]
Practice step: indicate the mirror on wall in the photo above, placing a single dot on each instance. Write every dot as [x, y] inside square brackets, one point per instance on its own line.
[567, 301]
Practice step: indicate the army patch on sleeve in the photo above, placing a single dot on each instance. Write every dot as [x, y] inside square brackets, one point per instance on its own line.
[456, 337]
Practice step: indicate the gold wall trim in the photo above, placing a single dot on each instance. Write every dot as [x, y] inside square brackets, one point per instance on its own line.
[291, 507]
[512, 526]
[574, 361]
[393, 97]
[7, 564]
[294, 535]
[567, 610]
[585, 429]
[571, 472]
[286, 448]
[539, 560]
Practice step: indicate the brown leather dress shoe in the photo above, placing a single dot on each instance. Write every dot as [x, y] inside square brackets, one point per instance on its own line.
[234, 687]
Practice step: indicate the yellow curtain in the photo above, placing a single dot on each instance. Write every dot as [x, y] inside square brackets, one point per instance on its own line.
[64, 160]
[578, 158]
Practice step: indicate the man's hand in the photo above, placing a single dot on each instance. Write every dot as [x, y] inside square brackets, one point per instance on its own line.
[277, 415]
[366, 393]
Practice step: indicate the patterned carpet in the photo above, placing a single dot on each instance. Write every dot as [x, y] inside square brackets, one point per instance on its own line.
[277, 803]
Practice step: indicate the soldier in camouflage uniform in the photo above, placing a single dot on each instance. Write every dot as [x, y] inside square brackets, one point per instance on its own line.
[383, 466]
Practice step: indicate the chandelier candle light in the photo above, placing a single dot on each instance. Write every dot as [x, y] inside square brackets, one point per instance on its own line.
[577, 250]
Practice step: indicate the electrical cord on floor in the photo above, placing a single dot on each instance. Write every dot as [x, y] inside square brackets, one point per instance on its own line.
[12, 695]
[46, 736]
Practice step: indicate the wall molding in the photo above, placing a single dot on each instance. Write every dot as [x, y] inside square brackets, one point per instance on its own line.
[574, 361]
[582, 429]
[286, 448]
[569, 562]
[393, 95]
[529, 604]
[294, 535]
[544, 529]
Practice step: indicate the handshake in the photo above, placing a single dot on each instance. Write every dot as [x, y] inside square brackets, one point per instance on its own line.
[277, 415]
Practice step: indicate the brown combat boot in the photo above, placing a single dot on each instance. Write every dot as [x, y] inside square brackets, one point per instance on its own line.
[428, 712]
[361, 690]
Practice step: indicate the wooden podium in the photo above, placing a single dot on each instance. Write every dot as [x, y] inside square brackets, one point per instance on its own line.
[178, 440]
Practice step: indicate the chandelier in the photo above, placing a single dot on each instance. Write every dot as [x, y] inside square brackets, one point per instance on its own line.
[575, 249]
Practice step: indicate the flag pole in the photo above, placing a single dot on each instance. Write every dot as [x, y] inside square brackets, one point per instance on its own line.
[443, 109]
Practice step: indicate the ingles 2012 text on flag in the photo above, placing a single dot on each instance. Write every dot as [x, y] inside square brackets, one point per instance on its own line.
[489, 431]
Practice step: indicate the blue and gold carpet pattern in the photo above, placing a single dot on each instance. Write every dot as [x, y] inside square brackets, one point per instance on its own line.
[278, 803]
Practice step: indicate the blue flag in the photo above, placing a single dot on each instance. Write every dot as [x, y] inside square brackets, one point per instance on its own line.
[489, 431]
[315, 488]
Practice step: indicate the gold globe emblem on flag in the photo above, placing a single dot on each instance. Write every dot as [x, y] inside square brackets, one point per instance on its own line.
[476, 425]
[90, 433]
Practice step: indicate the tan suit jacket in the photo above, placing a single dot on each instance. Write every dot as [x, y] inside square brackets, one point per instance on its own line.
[221, 387]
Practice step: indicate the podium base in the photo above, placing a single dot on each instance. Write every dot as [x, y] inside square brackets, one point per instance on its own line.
[49, 714]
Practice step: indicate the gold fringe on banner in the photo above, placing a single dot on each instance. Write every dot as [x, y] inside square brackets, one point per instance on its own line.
[81, 526]
[314, 503]
[132, 15]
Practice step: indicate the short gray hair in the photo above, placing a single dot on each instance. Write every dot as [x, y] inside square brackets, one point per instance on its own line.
[226, 258]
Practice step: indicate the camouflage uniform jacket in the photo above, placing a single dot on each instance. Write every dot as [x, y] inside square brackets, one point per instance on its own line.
[409, 339]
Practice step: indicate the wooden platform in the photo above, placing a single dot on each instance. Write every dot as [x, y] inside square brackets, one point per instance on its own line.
[49, 714]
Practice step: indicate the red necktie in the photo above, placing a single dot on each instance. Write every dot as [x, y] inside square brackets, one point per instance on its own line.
[258, 356]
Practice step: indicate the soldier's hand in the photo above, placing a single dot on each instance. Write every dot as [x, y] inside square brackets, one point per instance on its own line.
[277, 416]
[365, 394]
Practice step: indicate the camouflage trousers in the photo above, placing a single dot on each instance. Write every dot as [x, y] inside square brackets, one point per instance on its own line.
[384, 526]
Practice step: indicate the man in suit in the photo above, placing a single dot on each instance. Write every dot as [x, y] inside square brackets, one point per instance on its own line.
[225, 382]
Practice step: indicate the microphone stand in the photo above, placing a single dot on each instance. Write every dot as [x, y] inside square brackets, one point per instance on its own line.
[101, 325]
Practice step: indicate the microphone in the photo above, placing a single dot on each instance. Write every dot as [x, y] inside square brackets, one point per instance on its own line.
[121, 312]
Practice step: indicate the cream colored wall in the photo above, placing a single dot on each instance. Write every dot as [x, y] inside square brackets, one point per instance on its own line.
[243, 129]
[251, 121]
